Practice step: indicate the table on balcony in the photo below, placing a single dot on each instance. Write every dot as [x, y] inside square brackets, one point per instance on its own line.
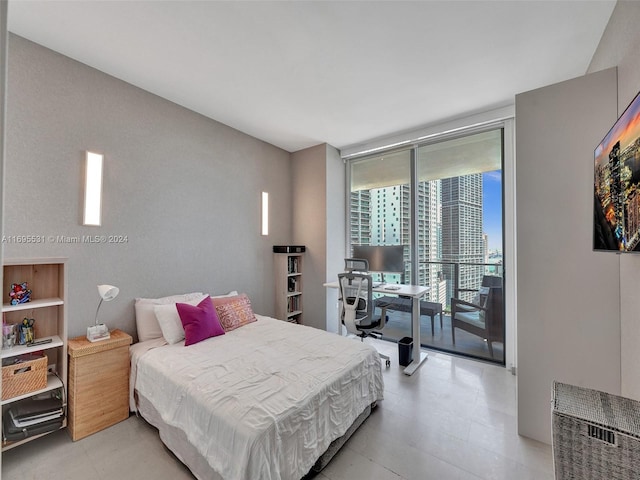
[404, 304]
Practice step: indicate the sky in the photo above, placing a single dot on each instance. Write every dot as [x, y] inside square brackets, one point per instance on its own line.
[492, 208]
[626, 130]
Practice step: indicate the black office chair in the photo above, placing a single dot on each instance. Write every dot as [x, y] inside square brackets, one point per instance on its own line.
[357, 307]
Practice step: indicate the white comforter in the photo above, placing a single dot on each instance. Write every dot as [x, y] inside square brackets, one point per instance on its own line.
[265, 400]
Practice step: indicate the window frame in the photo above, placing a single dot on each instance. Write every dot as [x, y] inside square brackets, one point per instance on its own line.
[507, 124]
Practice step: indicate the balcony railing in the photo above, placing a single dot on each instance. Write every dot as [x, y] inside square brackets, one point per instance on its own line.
[458, 280]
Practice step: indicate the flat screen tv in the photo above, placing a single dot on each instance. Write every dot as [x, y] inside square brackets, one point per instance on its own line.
[381, 258]
[616, 223]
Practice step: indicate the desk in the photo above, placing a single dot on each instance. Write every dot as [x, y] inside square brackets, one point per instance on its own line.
[415, 292]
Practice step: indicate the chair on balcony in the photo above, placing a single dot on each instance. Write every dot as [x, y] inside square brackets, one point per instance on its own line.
[485, 318]
[357, 307]
[491, 281]
[481, 295]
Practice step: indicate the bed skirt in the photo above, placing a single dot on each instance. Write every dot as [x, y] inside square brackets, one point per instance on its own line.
[339, 442]
[176, 441]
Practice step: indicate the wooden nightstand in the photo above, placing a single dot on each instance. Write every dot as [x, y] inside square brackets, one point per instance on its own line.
[98, 383]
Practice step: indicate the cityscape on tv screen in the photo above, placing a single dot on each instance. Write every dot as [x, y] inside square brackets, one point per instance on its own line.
[617, 185]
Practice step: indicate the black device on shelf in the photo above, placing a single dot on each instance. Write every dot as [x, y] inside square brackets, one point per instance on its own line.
[289, 248]
[33, 416]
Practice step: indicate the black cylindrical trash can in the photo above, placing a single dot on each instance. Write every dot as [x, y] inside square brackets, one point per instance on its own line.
[405, 348]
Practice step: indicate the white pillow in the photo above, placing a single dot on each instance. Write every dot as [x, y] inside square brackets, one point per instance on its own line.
[232, 293]
[146, 321]
[169, 320]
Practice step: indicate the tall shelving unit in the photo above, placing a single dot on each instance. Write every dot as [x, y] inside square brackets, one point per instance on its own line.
[288, 270]
[48, 283]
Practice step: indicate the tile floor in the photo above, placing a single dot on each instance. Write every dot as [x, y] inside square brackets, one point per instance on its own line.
[454, 419]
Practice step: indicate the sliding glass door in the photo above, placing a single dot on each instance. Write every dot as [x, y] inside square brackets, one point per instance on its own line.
[456, 221]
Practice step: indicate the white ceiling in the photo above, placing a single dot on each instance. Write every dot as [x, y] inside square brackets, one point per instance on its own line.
[296, 74]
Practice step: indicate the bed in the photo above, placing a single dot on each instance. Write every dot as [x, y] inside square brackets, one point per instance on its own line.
[267, 400]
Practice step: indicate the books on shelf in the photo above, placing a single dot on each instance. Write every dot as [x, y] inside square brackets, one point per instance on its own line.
[293, 265]
[289, 284]
[293, 304]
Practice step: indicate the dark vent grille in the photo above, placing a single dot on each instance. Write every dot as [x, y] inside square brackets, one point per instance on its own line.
[602, 434]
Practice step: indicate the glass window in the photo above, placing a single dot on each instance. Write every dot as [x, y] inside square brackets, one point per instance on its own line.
[458, 219]
[378, 182]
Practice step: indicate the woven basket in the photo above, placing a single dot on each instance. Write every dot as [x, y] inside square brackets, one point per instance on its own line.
[596, 435]
[24, 377]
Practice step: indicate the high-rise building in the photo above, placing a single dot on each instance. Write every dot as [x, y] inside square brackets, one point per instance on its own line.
[360, 218]
[485, 247]
[449, 230]
[390, 215]
[462, 241]
[388, 222]
[429, 210]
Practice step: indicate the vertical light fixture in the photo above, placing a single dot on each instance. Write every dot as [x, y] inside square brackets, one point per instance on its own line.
[265, 213]
[93, 189]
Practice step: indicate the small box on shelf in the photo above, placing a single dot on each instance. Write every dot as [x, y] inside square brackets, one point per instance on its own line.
[98, 333]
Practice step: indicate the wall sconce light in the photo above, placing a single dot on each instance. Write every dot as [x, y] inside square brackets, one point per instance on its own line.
[93, 190]
[265, 213]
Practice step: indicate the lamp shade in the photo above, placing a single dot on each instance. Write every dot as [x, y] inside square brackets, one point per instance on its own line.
[108, 292]
[101, 332]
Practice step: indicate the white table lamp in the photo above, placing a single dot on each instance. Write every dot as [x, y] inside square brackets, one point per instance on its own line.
[99, 331]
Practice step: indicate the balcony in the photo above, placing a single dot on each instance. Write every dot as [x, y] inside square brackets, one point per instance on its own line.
[452, 278]
[399, 326]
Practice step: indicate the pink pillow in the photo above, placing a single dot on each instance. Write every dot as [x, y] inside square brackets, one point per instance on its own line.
[234, 312]
[200, 322]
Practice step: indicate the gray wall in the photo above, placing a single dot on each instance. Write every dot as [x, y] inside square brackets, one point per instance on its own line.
[309, 228]
[318, 222]
[619, 46]
[568, 296]
[184, 189]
